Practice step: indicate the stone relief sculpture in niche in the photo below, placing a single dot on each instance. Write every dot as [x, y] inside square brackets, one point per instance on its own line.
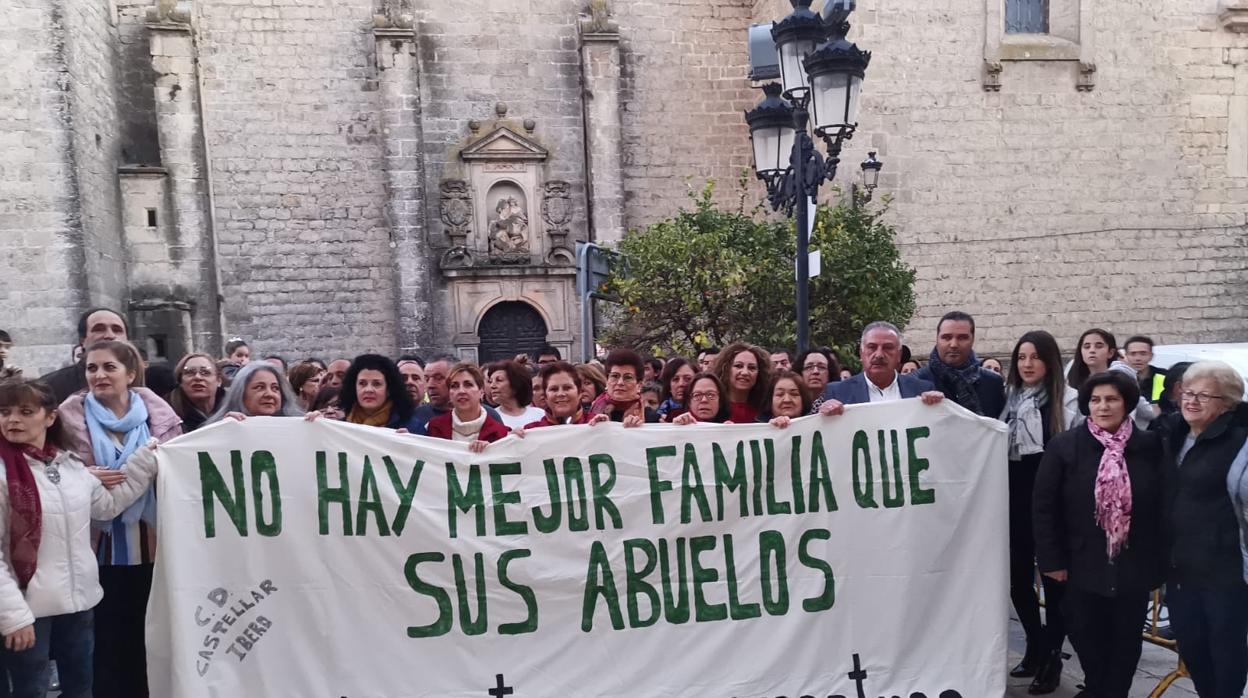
[456, 211]
[509, 232]
[507, 237]
[557, 213]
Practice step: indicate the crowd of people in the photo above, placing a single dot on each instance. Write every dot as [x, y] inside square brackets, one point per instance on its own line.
[1122, 477]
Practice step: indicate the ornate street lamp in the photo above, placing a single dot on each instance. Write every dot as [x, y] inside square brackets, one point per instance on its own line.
[870, 174]
[821, 75]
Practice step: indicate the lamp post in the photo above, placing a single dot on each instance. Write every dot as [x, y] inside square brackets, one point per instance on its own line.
[821, 76]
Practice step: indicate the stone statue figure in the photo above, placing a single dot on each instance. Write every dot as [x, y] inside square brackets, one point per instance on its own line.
[509, 233]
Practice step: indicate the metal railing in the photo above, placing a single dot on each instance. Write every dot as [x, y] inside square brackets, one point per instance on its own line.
[1153, 635]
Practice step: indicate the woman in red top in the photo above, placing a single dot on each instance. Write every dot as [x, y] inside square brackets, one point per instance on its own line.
[563, 396]
[467, 421]
[745, 371]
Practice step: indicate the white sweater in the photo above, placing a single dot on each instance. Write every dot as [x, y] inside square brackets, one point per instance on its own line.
[66, 577]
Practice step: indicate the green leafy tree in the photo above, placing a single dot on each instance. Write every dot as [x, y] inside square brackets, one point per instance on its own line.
[707, 277]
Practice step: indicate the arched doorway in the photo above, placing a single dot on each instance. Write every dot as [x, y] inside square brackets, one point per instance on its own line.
[510, 328]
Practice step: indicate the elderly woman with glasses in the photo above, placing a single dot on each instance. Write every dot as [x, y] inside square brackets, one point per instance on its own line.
[1206, 591]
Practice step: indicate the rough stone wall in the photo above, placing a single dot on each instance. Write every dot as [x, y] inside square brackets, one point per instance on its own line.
[1041, 206]
[293, 130]
[90, 64]
[59, 229]
[140, 145]
[684, 91]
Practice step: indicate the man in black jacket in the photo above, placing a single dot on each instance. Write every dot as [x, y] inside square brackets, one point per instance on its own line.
[100, 325]
[956, 371]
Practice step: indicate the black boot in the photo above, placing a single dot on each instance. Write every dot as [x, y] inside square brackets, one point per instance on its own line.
[1030, 664]
[1048, 676]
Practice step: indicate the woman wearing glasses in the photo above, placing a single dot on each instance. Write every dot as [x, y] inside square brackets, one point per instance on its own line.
[199, 390]
[818, 368]
[622, 400]
[708, 402]
[1206, 592]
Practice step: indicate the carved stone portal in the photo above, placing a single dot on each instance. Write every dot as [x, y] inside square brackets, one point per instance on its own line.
[497, 214]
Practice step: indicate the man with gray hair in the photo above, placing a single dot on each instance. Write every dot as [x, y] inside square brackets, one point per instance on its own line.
[880, 352]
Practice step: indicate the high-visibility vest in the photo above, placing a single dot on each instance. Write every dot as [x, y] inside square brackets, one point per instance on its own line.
[1159, 387]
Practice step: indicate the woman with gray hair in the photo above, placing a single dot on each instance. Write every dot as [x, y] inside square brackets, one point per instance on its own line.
[260, 389]
[1206, 590]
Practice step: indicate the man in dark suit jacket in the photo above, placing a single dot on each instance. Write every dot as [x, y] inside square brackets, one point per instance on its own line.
[955, 371]
[880, 352]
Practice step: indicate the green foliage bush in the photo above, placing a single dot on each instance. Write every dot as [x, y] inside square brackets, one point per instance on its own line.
[708, 277]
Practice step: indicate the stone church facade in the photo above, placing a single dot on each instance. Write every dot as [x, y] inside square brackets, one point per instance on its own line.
[334, 176]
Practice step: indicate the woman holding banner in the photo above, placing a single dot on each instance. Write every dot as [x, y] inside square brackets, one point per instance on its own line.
[1038, 406]
[563, 396]
[49, 581]
[790, 399]
[260, 389]
[1098, 518]
[467, 421]
[373, 393]
[707, 401]
[104, 428]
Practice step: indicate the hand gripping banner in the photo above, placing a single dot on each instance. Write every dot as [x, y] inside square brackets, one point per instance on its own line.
[858, 556]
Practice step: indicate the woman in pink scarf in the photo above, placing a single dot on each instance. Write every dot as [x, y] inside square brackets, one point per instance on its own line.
[1097, 513]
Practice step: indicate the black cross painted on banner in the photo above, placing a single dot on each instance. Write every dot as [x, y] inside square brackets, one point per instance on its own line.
[858, 675]
[500, 689]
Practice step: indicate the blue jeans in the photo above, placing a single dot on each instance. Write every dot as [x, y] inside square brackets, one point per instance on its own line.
[1210, 626]
[70, 639]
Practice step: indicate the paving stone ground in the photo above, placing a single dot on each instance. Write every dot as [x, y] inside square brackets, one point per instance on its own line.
[1155, 663]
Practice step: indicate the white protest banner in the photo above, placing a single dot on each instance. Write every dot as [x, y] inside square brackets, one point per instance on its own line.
[858, 555]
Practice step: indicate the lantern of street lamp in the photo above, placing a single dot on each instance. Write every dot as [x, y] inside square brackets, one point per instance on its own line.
[796, 37]
[772, 132]
[871, 172]
[836, 70]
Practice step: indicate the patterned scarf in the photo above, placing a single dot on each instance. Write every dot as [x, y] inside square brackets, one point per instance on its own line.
[380, 418]
[25, 509]
[1113, 486]
[958, 383]
[605, 405]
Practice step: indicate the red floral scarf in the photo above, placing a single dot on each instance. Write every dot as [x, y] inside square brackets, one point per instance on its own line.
[25, 510]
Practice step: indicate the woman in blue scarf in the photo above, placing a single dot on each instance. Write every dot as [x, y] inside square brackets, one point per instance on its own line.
[105, 425]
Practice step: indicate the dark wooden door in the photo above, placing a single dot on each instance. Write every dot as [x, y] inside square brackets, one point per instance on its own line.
[508, 329]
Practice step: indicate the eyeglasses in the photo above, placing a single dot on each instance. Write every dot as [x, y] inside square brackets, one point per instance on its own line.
[699, 397]
[1198, 398]
[815, 368]
[192, 371]
[621, 378]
